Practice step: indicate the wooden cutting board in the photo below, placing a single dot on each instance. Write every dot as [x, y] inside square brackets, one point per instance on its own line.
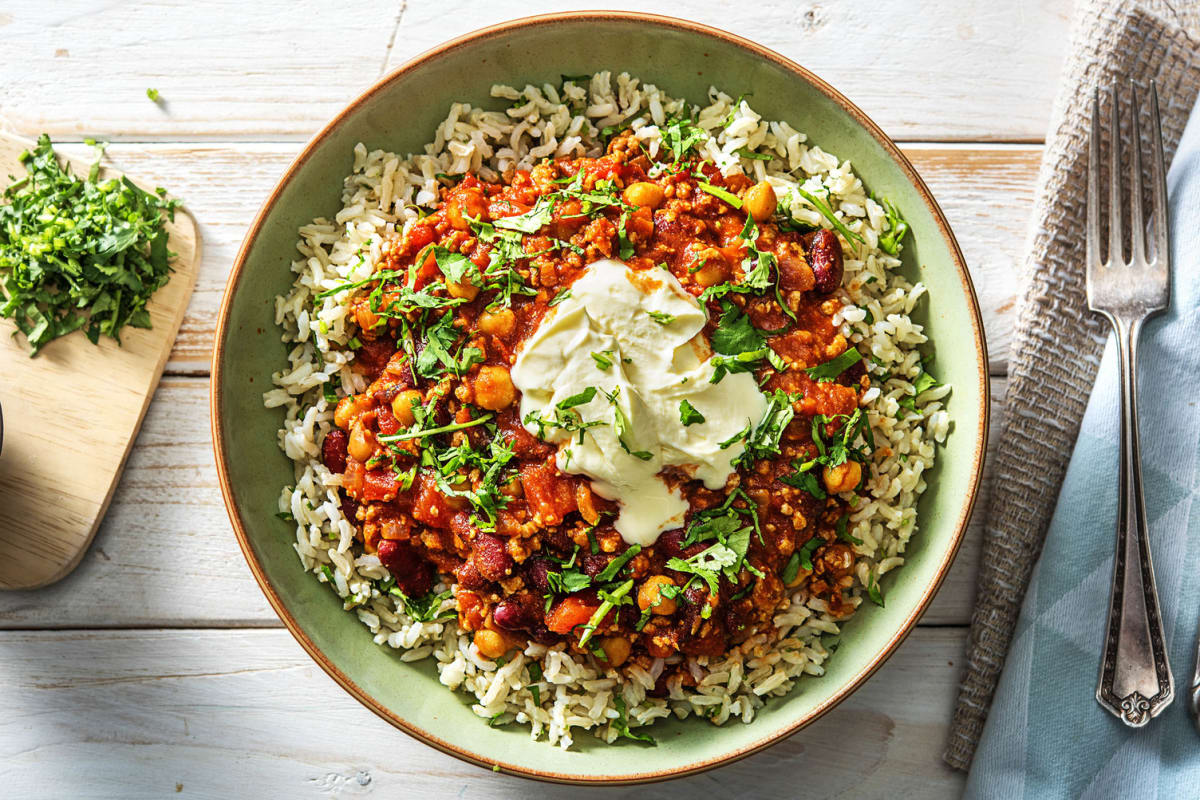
[71, 415]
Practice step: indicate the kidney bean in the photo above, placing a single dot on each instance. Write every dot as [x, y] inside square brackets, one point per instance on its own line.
[333, 450]
[512, 616]
[349, 508]
[413, 575]
[468, 576]
[671, 541]
[535, 574]
[593, 565]
[824, 254]
[491, 557]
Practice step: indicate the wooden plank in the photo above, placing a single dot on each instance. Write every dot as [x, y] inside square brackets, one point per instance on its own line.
[923, 70]
[205, 714]
[62, 459]
[165, 555]
[985, 190]
[223, 69]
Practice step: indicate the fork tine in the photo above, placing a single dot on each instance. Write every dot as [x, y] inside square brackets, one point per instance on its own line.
[1116, 245]
[1161, 251]
[1137, 247]
[1093, 189]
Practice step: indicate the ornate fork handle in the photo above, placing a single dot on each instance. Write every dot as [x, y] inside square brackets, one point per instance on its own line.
[1135, 677]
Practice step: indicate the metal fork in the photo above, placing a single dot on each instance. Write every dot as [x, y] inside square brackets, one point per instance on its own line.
[1135, 678]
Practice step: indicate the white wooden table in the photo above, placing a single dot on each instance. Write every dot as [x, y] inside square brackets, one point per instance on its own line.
[157, 667]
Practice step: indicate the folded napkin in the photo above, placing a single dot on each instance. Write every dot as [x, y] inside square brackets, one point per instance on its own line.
[1047, 736]
[1057, 342]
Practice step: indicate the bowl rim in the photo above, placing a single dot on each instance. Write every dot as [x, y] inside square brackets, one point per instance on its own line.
[414, 730]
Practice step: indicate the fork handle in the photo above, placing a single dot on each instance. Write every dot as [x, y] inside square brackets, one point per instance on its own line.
[1135, 677]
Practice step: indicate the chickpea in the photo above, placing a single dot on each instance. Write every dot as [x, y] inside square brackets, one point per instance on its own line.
[616, 650]
[759, 201]
[842, 478]
[469, 205]
[643, 194]
[650, 596]
[402, 406]
[586, 504]
[494, 388]
[714, 268]
[491, 644]
[466, 289]
[348, 408]
[497, 321]
[360, 445]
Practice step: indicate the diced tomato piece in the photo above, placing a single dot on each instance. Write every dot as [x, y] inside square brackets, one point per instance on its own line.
[386, 422]
[374, 354]
[525, 445]
[571, 611]
[431, 506]
[380, 484]
[333, 450]
[550, 495]
[352, 479]
[418, 237]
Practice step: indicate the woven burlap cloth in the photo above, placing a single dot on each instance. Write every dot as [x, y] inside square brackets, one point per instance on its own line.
[1057, 342]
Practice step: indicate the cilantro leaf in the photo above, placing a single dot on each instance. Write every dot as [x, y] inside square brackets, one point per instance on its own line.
[889, 241]
[735, 333]
[719, 193]
[532, 220]
[827, 212]
[681, 136]
[873, 591]
[621, 723]
[603, 359]
[579, 399]
[804, 480]
[614, 567]
[661, 317]
[688, 415]
[824, 373]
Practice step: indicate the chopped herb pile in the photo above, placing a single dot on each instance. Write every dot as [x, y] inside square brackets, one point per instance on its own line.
[79, 253]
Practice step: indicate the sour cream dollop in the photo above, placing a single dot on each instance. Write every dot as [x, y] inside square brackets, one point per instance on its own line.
[634, 336]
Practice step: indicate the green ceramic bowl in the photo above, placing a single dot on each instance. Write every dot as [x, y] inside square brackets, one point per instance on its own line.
[400, 113]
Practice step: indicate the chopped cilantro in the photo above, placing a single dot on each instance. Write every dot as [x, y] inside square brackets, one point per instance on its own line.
[688, 415]
[745, 153]
[824, 373]
[805, 480]
[807, 550]
[721, 194]
[610, 600]
[791, 569]
[843, 532]
[603, 359]
[827, 212]
[79, 253]
[563, 294]
[532, 220]
[889, 241]
[661, 317]
[153, 95]
[873, 591]
[578, 399]
[681, 136]
[621, 723]
[614, 567]
[735, 334]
